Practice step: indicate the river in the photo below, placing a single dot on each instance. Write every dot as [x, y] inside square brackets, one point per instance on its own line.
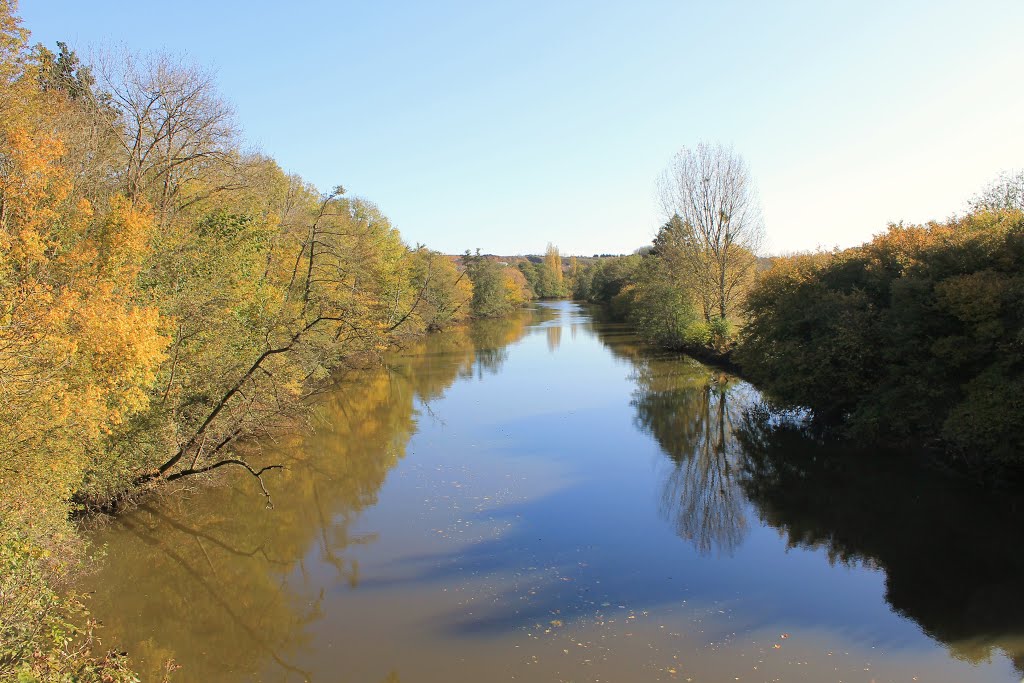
[545, 499]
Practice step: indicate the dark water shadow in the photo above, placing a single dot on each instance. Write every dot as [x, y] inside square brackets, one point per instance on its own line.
[952, 553]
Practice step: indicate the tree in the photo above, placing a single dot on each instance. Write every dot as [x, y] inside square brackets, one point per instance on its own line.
[497, 288]
[163, 296]
[488, 286]
[444, 293]
[553, 261]
[719, 228]
[662, 309]
[64, 72]
[574, 274]
[913, 338]
[173, 129]
[1005, 192]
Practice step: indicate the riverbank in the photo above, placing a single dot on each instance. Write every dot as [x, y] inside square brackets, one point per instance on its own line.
[909, 341]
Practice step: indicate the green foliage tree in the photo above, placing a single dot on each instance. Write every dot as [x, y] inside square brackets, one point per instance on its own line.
[915, 337]
[64, 71]
[604, 279]
[497, 289]
[662, 309]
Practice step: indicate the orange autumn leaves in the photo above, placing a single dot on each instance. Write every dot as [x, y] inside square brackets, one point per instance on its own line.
[76, 351]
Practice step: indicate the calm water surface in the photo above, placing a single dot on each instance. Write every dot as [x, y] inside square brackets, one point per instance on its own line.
[545, 499]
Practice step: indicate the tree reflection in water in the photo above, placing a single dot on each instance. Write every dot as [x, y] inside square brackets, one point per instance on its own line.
[236, 592]
[951, 551]
[691, 411]
[230, 589]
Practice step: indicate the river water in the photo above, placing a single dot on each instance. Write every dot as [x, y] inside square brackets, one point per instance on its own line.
[545, 499]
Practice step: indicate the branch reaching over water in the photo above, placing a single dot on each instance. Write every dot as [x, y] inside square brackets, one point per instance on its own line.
[231, 461]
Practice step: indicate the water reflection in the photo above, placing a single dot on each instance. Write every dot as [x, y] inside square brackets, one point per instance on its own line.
[214, 579]
[951, 553]
[528, 520]
[691, 411]
[554, 333]
[491, 339]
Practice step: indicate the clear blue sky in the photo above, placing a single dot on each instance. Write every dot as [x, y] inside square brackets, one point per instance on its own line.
[506, 125]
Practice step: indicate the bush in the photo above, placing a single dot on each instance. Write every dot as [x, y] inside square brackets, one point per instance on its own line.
[47, 637]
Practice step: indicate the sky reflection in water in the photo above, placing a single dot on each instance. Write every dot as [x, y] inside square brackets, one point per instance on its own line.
[543, 498]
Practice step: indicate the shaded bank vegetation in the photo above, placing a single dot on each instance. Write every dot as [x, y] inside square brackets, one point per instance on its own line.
[915, 338]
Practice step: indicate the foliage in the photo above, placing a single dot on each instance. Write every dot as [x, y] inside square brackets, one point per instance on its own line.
[553, 265]
[498, 289]
[447, 293]
[1005, 192]
[545, 277]
[649, 293]
[715, 225]
[915, 336]
[602, 281]
[46, 637]
[163, 296]
[686, 290]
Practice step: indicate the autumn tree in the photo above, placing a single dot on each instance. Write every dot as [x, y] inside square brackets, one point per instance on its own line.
[79, 352]
[574, 274]
[163, 297]
[913, 337]
[77, 349]
[1005, 192]
[714, 227]
[176, 134]
[553, 262]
